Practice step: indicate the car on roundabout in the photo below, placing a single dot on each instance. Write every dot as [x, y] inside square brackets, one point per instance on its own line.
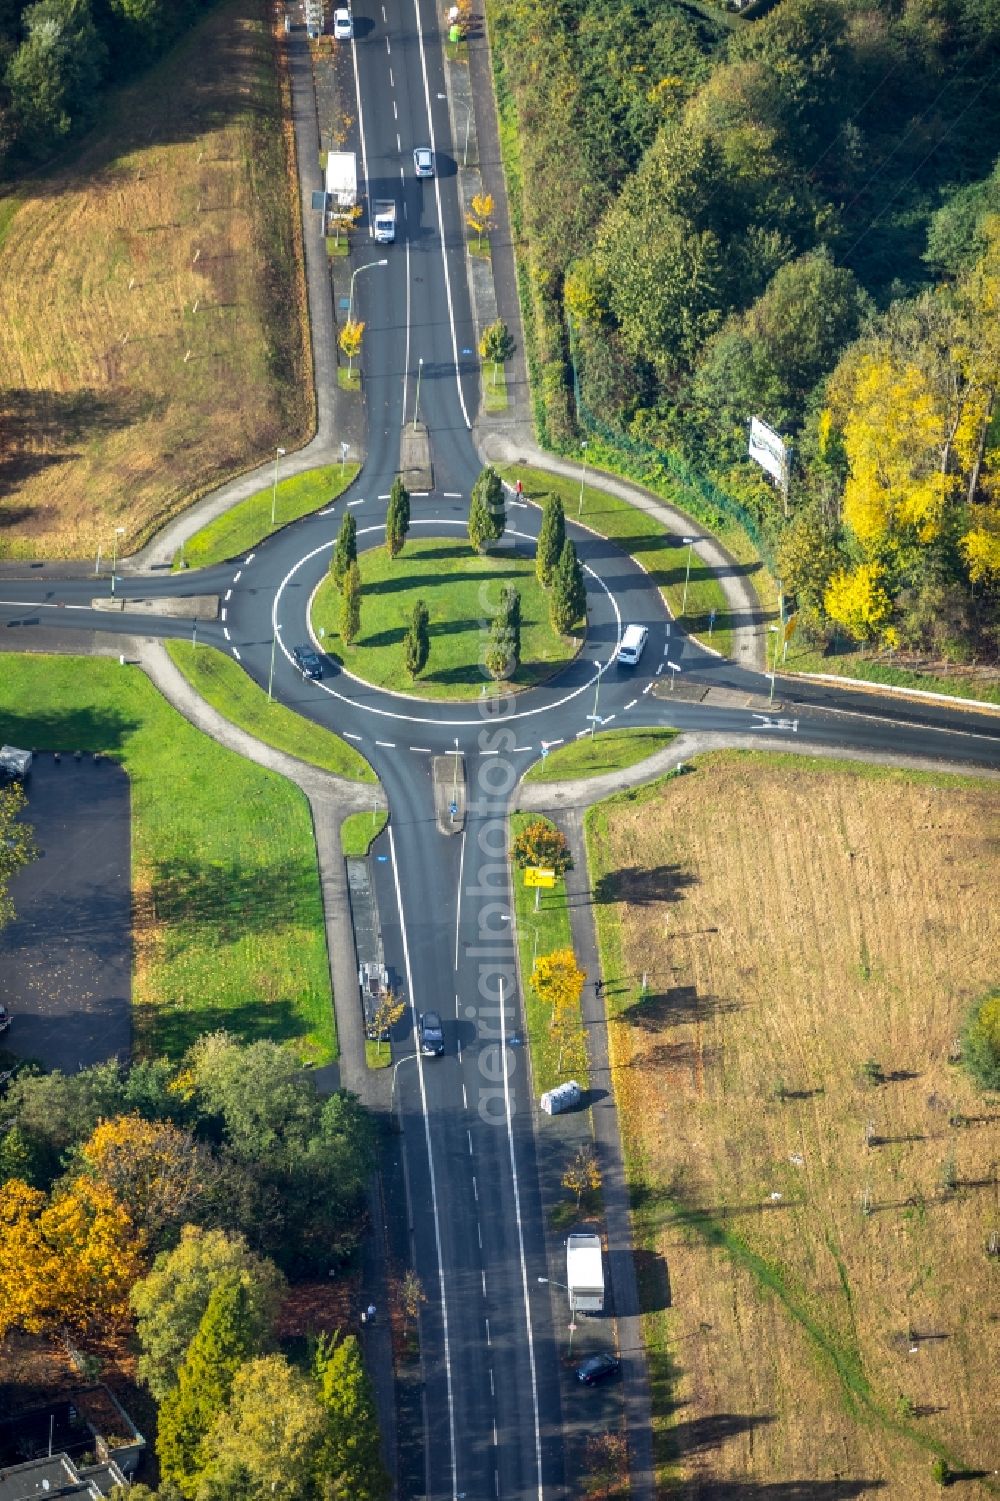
[308, 661]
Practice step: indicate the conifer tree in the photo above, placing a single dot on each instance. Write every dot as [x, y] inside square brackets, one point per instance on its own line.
[569, 594]
[350, 606]
[346, 551]
[397, 518]
[417, 644]
[551, 537]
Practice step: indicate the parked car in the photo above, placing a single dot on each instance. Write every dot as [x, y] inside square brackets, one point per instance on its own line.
[5, 1017]
[309, 662]
[597, 1368]
[423, 161]
[431, 1034]
[343, 25]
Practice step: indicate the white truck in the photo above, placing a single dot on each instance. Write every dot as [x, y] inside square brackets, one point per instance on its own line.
[341, 180]
[585, 1273]
[384, 221]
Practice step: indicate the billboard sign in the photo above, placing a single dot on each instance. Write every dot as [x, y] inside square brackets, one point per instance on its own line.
[768, 450]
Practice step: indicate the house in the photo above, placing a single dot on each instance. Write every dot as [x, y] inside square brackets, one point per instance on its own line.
[57, 1475]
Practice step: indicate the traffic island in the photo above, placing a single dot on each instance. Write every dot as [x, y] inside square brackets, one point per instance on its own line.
[416, 470]
[450, 793]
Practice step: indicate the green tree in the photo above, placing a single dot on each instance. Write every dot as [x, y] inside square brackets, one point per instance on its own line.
[551, 537]
[569, 593]
[981, 1042]
[170, 1302]
[350, 605]
[17, 844]
[487, 510]
[349, 1461]
[540, 843]
[503, 647]
[229, 1335]
[55, 75]
[267, 1441]
[496, 345]
[417, 644]
[346, 550]
[397, 518]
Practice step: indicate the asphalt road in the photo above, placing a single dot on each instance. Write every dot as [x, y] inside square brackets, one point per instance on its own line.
[495, 1393]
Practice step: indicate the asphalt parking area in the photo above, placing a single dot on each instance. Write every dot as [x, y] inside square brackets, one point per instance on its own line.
[66, 959]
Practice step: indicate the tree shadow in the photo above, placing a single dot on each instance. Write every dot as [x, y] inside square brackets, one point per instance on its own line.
[225, 896]
[67, 731]
[662, 883]
[675, 1006]
[653, 1277]
[702, 1435]
[173, 1030]
[57, 422]
[786, 1490]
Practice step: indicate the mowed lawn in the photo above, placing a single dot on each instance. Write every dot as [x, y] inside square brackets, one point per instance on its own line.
[229, 928]
[461, 589]
[152, 335]
[816, 1306]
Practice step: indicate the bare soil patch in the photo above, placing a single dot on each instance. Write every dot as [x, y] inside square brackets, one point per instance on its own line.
[152, 328]
[821, 1312]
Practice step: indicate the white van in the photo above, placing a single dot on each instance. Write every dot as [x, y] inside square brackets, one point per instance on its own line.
[633, 645]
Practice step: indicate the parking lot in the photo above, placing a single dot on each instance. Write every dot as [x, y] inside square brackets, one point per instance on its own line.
[66, 960]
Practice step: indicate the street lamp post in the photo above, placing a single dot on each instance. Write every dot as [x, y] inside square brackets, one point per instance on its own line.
[583, 476]
[690, 541]
[366, 267]
[119, 532]
[416, 404]
[409, 1057]
[279, 453]
[468, 127]
[572, 1323]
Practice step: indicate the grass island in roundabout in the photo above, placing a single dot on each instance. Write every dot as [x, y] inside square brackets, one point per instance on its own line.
[461, 589]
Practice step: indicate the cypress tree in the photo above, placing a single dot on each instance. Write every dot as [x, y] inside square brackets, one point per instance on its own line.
[397, 518]
[229, 1335]
[569, 594]
[487, 510]
[346, 551]
[350, 606]
[350, 1450]
[417, 643]
[551, 537]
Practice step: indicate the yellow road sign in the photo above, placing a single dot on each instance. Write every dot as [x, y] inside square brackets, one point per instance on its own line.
[790, 625]
[537, 875]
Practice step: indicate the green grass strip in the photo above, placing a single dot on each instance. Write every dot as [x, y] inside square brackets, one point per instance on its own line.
[248, 523]
[224, 684]
[359, 831]
[853, 665]
[596, 755]
[540, 932]
[646, 540]
[229, 926]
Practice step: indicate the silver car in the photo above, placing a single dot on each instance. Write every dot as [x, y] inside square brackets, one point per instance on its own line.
[423, 161]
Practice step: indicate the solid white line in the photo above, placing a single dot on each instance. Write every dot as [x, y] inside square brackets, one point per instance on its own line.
[458, 907]
[453, 495]
[349, 736]
[520, 1242]
[236, 654]
[433, 1177]
[386, 744]
[236, 575]
[632, 703]
[440, 214]
[225, 632]
[361, 122]
[228, 595]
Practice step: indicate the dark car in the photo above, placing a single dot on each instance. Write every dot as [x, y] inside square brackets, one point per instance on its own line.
[309, 662]
[5, 1018]
[598, 1368]
[431, 1034]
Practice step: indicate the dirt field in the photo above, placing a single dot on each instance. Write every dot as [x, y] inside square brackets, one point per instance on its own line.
[151, 304]
[823, 1318]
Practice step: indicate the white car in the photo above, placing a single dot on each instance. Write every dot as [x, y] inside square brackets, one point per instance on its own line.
[343, 25]
[423, 161]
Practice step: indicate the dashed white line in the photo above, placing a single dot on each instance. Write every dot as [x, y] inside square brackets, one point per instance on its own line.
[475, 1188]
[479, 1232]
[489, 753]
[236, 654]
[632, 703]
[384, 497]
[387, 47]
[228, 595]
[518, 748]
[659, 669]
[488, 1340]
[580, 734]
[420, 494]
[495, 1440]
[492, 1388]
[647, 689]
[386, 744]
[465, 1099]
[453, 495]
[248, 559]
[395, 111]
[349, 736]
[423, 750]
[392, 81]
[236, 575]
[351, 503]
[225, 632]
[483, 1276]
[222, 613]
[609, 717]
[384, 16]
[469, 1135]
[522, 505]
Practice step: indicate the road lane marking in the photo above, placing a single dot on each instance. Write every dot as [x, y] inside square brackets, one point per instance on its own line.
[475, 1188]
[388, 47]
[350, 503]
[222, 614]
[349, 736]
[465, 1097]
[395, 111]
[520, 1243]
[443, 1292]
[236, 575]
[647, 689]
[384, 497]
[440, 214]
[479, 1233]
[228, 595]
[236, 654]
[492, 1389]
[520, 748]
[386, 744]
[632, 703]
[453, 495]
[483, 1276]
[420, 494]
[361, 123]
[580, 734]
[469, 1135]
[488, 1340]
[225, 632]
[392, 81]
[458, 921]
[421, 749]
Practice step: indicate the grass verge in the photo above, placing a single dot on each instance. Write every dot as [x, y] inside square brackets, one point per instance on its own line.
[459, 587]
[359, 831]
[249, 522]
[349, 379]
[495, 389]
[377, 1054]
[153, 340]
[228, 914]
[959, 682]
[540, 932]
[596, 755]
[224, 684]
[782, 952]
[660, 552]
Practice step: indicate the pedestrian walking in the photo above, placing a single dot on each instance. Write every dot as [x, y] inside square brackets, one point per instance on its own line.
[371, 1313]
